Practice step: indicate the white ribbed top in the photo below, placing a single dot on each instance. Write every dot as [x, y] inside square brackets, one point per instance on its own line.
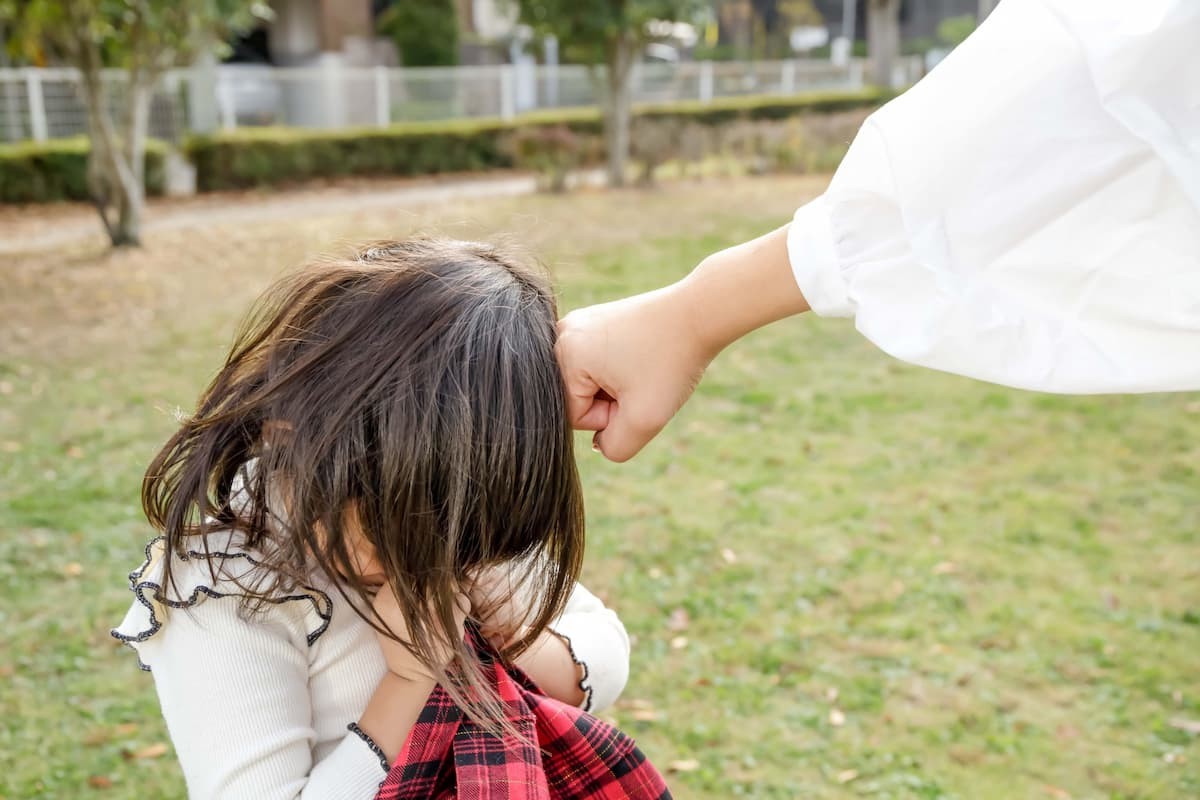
[258, 707]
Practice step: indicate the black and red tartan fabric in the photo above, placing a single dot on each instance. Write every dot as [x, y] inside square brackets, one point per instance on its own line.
[562, 751]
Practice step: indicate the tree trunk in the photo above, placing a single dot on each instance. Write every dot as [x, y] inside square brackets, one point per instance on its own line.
[618, 107]
[128, 229]
[883, 39]
[114, 185]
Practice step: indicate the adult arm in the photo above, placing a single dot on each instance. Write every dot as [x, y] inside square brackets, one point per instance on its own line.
[1028, 214]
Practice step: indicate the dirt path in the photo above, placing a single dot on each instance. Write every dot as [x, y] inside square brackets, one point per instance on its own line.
[32, 228]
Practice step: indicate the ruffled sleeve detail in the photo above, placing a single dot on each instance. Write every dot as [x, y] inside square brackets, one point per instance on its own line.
[198, 577]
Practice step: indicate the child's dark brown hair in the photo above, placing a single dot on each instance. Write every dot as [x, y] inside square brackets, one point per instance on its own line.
[414, 385]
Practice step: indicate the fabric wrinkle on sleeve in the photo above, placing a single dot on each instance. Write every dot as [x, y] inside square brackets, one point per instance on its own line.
[813, 256]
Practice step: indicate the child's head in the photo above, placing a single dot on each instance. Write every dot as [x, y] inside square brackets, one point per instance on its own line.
[406, 398]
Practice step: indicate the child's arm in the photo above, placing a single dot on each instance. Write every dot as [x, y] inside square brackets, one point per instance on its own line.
[583, 659]
[598, 644]
[550, 664]
[400, 698]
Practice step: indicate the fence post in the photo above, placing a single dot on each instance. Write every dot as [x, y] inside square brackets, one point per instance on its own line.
[706, 81]
[856, 73]
[225, 106]
[203, 108]
[37, 108]
[787, 79]
[383, 103]
[550, 51]
[508, 99]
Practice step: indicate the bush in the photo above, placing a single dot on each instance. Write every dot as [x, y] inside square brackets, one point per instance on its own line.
[425, 31]
[46, 172]
[272, 156]
[654, 141]
[953, 31]
[552, 151]
[259, 157]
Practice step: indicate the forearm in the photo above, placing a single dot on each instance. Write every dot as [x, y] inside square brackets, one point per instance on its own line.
[740, 289]
[549, 663]
[393, 710]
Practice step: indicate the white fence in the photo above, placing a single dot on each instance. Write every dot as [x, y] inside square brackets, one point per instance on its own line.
[44, 103]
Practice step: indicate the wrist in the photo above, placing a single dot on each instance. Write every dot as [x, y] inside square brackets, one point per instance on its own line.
[704, 315]
[405, 666]
[739, 290]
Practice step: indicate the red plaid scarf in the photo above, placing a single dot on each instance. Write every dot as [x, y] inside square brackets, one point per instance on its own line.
[576, 756]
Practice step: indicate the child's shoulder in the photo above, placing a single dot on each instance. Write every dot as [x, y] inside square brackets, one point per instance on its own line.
[222, 570]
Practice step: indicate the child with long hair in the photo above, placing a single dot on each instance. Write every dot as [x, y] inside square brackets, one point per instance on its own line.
[384, 454]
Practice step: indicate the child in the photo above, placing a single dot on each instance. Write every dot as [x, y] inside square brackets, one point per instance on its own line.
[384, 453]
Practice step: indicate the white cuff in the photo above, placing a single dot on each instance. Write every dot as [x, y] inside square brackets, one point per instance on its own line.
[352, 770]
[815, 263]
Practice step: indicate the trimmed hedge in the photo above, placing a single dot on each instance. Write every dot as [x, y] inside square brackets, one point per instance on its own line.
[271, 156]
[43, 172]
[251, 157]
[255, 157]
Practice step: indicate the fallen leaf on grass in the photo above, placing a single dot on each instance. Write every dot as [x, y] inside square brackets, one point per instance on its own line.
[1065, 732]
[684, 765]
[1189, 725]
[655, 573]
[149, 751]
[945, 568]
[100, 782]
[74, 452]
[679, 620]
[965, 756]
[728, 556]
[74, 569]
[97, 737]
[1054, 791]
[102, 735]
[836, 717]
[847, 775]
[679, 642]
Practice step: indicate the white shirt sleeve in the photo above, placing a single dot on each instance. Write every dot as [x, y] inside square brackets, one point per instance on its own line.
[598, 642]
[1029, 213]
[234, 693]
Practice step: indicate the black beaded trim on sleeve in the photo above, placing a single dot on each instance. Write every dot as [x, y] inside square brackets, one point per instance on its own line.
[584, 682]
[376, 749]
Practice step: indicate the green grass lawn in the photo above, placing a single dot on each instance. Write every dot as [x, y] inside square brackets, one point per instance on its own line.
[845, 577]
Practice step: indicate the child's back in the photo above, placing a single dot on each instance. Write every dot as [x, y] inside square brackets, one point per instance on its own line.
[387, 429]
